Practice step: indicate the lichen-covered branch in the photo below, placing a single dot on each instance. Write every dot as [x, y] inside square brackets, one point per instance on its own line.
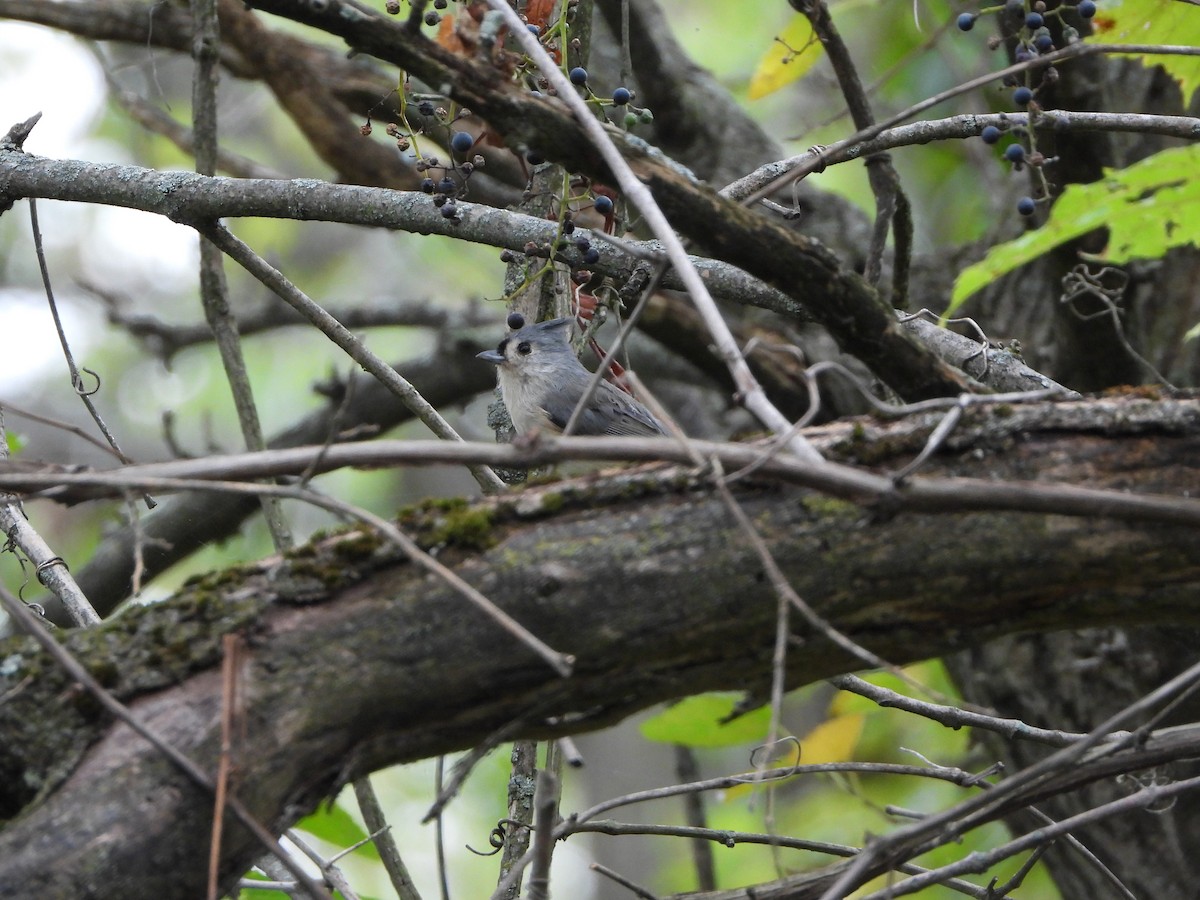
[356, 661]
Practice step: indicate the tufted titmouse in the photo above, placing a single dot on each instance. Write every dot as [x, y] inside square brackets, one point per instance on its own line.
[542, 382]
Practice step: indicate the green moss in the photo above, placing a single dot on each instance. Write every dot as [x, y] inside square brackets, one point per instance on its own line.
[825, 506]
[552, 502]
[470, 528]
[357, 547]
[215, 581]
[449, 522]
[304, 551]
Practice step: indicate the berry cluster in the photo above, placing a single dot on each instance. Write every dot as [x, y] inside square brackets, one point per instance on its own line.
[1030, 26]
[447, 182]
[446, 189]
[622, 98]
[432, 17]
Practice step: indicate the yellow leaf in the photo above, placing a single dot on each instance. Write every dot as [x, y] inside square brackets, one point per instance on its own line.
[789, 57]
[833, 740]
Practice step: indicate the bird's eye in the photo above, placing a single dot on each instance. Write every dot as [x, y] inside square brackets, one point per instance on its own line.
[523, 348]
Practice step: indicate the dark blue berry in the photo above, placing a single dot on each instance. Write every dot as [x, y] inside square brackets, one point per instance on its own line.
[1026, 206]
[621, 96]
[449, 210]
[1087, 9]
[990, 134]
[583, 244]
[516, 321]
[1014, 153]
[534, 30]
[569, 226]
[447, 186]
[461, 142]
[603, 205]
[591, 257]
[1044, 43]
[1024, 54]
[578, 75]
[1022, 96]
[534, 158]
[427, 185]
[1034, 20]
[965, 22]
[425, 108]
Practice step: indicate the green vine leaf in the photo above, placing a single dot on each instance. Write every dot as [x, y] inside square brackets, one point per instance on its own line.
[1148, 208]
[1155, 22]
[696, 722]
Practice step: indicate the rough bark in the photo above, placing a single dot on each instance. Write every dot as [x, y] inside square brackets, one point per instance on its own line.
[357, 660]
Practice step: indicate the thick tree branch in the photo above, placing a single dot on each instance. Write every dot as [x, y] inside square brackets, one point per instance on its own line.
[354, 643]
[187, 197]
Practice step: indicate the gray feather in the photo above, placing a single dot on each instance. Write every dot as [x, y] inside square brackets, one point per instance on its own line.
[542, 382]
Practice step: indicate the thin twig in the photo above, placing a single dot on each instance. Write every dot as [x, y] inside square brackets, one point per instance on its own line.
[798, 167]
[687, 770]
[381, 835]
[956, 717]
[636, 889]
[60, 425]
[545, 802]
[440, 834]
[926, 495]
[333, 875]
[891, 204]
[51, 569]
[935, 829]
[231, 662]
[335, 331]
[706, 836]
[214, 289]
[76, 378]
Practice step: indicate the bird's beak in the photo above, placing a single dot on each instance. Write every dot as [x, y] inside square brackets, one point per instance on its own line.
[492, 356]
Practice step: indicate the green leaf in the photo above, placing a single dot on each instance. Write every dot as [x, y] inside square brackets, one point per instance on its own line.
[335, 826]
[1155, 22]
[1148, 208]
[696, 722]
